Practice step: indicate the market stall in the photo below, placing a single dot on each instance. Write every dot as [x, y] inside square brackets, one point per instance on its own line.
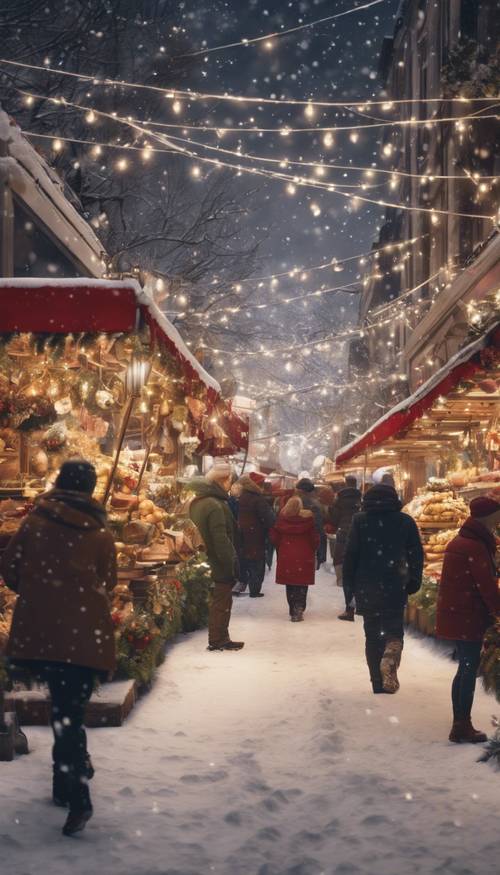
[93, 369]
[442, 445]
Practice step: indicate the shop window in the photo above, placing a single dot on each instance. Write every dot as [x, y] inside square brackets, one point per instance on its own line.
[35, 254]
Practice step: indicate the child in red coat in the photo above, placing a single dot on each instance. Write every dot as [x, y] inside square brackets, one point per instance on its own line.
[296, 540]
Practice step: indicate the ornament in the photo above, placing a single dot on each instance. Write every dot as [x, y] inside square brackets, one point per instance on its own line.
[63, 406]
[104, 399]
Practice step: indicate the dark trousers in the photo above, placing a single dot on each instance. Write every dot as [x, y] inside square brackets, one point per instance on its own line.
[296, 597]
[380, 628]
[70, 689]
[464, 682]
[269, 554]
[322, 550]
[254, 571]
[219, 614]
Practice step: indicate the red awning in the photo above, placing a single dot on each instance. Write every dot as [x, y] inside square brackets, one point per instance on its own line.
[82, 305]
[463, 365]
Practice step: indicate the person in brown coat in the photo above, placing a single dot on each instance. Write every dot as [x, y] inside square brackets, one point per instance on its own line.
[62, 565]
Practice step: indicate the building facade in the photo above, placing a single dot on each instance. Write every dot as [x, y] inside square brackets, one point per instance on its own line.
[443, 61]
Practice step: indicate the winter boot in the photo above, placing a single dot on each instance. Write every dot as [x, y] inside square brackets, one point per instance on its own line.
[389, 665]
[80, 806]
[463, 731]
[348, 614]
[298, 615]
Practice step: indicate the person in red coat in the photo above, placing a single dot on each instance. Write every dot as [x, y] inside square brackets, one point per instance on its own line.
[468, 601]
[296, 539]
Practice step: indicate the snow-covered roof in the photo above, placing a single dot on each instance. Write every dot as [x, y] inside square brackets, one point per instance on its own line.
[42, 191]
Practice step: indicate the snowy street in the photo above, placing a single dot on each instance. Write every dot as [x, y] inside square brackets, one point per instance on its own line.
[275, 760]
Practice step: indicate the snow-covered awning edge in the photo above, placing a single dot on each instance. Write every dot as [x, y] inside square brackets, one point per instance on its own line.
[172, 333]
[142, 300]
[359, 444]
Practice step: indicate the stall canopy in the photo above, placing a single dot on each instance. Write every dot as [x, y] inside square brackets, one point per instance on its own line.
[449, 402]
[74, 306]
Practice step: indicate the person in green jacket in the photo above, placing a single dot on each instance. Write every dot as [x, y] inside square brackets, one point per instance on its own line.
[211, 514]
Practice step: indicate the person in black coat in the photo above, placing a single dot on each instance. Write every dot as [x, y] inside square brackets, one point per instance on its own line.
[383, 564]
[348, 503]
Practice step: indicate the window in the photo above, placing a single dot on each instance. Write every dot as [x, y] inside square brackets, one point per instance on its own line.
[35, 254]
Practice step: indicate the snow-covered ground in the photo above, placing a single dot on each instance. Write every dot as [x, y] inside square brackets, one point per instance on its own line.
[277, 760]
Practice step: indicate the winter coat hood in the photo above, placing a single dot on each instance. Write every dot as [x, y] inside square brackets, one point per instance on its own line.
[204, 488]
[248, 485]
[473, 528]
[73, 509]
[381, 499]
[289, 525]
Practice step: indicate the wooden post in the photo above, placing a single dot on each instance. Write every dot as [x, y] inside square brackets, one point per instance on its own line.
[121, 436]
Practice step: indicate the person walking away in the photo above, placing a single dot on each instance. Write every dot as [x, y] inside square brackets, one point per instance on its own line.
[296, 540]
[62, 564]
[383, 564]
[255, 518]
[210, 512]
[468, 602]
[348, 503]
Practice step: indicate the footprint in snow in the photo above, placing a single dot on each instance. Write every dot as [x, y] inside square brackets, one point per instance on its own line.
[375, 820]
[234, 818]
[208, 778]
[307, 866]
[268, 834]
[309, 838]
[332, 742]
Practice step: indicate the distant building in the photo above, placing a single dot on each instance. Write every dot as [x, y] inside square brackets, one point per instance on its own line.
[447, 49]
[42, 230]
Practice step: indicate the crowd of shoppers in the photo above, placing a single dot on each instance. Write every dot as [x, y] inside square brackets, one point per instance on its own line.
[62, 565]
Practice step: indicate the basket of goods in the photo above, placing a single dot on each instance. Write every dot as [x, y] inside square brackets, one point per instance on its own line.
[441, 510]
[438, 484]
[436, 546]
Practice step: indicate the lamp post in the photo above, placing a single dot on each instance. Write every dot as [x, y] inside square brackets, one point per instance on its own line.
[136, 377]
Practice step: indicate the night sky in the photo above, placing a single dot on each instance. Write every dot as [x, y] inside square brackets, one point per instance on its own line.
[334, 61]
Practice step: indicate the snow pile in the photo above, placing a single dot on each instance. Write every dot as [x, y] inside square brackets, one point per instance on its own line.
[274, 761]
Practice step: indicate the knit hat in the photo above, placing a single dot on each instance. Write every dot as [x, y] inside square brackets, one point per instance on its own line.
[483, 506]
[77, 475]
[257, 478]
[305, 485]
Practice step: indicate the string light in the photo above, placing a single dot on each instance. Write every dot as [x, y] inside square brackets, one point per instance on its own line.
[267, 38]
[304, 181]
[198, 95]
